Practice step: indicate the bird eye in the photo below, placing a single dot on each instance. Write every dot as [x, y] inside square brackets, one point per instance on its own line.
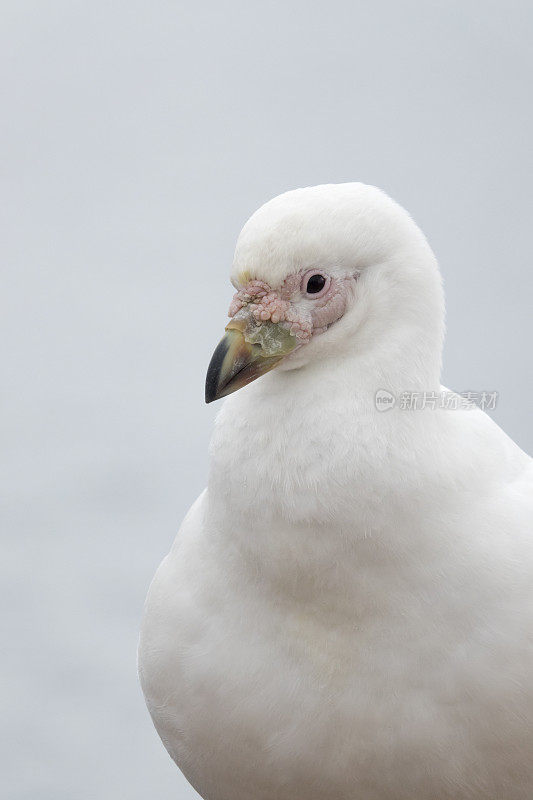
[315, 283]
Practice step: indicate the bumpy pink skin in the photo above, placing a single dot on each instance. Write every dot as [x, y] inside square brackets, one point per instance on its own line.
[278, 305]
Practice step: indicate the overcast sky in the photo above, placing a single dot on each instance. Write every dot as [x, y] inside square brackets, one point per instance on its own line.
[137, 137]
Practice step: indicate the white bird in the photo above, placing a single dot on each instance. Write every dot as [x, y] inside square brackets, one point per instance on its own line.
[346, 613]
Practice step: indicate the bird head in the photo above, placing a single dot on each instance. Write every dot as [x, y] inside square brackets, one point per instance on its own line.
[324, 271]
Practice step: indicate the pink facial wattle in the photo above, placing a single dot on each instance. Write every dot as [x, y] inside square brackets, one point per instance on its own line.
[281, 305]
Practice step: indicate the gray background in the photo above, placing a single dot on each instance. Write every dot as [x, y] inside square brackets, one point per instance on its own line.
[137, 138]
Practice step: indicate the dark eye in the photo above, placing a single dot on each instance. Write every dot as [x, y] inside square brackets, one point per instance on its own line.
[315, 284]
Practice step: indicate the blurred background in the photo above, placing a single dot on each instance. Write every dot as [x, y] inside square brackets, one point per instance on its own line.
[137, 138]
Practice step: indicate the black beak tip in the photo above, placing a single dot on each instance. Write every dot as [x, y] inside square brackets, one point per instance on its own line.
[212, 388]
[210, 394]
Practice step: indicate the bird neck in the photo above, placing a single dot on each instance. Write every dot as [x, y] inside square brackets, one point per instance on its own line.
[293, 444]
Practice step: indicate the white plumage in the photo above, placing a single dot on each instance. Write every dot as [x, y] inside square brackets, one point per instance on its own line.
[347, 610]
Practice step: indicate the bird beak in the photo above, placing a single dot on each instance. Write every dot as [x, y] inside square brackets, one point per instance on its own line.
[248, 349]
